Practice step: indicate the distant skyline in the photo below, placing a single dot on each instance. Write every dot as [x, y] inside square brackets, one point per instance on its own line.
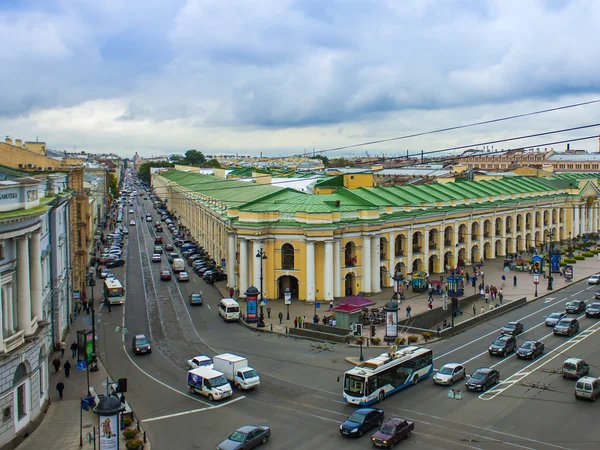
[286, 76]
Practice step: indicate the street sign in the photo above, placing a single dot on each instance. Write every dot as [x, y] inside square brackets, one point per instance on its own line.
[81, 365]
[76, 295]
[318, 305]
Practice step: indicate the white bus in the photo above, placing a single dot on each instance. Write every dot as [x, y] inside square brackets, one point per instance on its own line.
[387, 373]
[114, 292]
[229, 310]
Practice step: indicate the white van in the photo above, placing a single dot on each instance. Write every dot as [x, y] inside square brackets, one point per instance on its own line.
[229, 310]
[587, 387]
[209, 382]
[178, 265]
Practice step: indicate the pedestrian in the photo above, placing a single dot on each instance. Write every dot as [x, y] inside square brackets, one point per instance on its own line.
[515, 280]
[503, 281]
[67, 367]
[429, 306]
[482, 309]
[73, 349]
[487, 297]
[408, 310]
[491, 306]
[268, 312]
[231, 292]
[316, 319]
[299, 322]
[500, 296]
[108, 304]
[474, 310]
[295, 322]
[331, 305]
[280, 317]
[56, 364]
[304, 321]
[431, 295]
[60, 387]
[63, 346]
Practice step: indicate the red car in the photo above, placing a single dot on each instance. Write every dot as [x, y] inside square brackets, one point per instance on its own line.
[392, 431]
[165, 275]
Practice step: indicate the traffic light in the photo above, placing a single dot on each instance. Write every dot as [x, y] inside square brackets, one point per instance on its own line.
[122, 385]
[358, 330]
[372, 330]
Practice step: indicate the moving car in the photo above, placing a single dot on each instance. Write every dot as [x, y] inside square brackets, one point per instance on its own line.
[593, 310]
[156, 257]
[482, 379]
[597, 294]
[158, 249]
[183, 276]
[141, 344]
[575, 368]
[587, 387]
[393, 430]
[530, 349]
[575, 307]
[132, 223]
[449, 374]
[199, 361]
[503, 345]
[158, 240]
[361, 420]
[165, 275]
[512, 328]
[196, 298]
[594, 279]
[566, 327]
[554, 318]
[169, 247]
[246, 437]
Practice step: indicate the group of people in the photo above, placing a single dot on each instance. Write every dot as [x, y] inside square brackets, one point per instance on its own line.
[57, 364]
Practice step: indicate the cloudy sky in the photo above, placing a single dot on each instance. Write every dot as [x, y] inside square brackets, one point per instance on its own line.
[285, 76]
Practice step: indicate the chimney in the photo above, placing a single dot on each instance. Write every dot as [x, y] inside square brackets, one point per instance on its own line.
[18, 142]
[8, 140]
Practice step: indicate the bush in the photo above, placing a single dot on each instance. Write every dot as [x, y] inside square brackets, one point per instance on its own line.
[413, 339]
[127, 420]
[570, 260]
[400, 341]
[375, 341]
[427, 335]
[576, 247]
[563, 263]
[134, 445]
[360, 340]
[130, 433]
[587, 254]
[579, 257]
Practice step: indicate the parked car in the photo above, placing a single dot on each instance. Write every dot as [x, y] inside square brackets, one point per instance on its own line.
[361, 420]
[183, 276]
[393, 430]
[566, 327]
[115, 263]
[195, 298]
[165, 275]
[554, 318]
[246, 437]
[530, 349]
[575, 307]
[512, 328]
[449, 374]
[593, 310]
[503, 345]
[482, 379]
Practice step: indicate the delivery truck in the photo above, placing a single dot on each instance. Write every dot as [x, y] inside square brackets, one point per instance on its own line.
[236, 370]
[178, 265]
[210, 383]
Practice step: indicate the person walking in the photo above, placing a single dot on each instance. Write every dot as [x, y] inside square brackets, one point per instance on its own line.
[63, 346]
[295, 322]
[280, 317]
[515, 280]
[268, 312]
[60, 387]
[73, 349]
[503, 281]
[67, 367]
[331, 305]
[482, 309]
[56, 364]
[108, 304]
[474, 310]
[299, 322]
[408, 310]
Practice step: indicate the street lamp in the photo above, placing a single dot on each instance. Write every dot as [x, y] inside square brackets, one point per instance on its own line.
[398, 278]
[261, 319]
[536, 281]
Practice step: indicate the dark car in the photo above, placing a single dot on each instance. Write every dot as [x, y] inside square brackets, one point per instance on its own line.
[593, 310]
[513, 328]
[361, 420]
[115, 263]
[172, 256]
[158, 240]
[196, 299]
[165, 275]
[169, 247]
[566, 327]
[246, 437]
[141, 344]
[210, 276]
[482, 379]
[575, 307]
[393, 430]
[530, 349]
[503, 345]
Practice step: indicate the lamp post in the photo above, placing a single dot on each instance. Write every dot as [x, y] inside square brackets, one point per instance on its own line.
[261, 319]
[398, 278]
[536, 281]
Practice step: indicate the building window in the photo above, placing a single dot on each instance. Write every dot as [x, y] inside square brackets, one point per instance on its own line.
[1, 251]
[79, 240]
[287, 257]
[78, 211]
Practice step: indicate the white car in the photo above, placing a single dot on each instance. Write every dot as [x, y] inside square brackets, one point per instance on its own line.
[594, 279]
[200, 361]
[156, 257]
[449, 374]
[131, 211]
[132, 223]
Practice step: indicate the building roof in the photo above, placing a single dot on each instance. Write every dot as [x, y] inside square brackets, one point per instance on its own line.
[570, 157]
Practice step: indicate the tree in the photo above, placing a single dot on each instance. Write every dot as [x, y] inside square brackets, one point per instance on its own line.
[113, 185]
[340, 162]
[213, 163]
[194, 157]
[323, 158]
[144, 169]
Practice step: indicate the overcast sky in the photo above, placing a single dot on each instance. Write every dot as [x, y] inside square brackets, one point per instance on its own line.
[284, 76]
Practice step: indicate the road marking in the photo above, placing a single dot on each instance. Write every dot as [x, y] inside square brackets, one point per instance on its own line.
[208, 305]
[549, 299]
[577, 293]
[191, 411]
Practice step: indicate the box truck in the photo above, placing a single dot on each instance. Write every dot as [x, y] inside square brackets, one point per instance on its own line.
[236, 370]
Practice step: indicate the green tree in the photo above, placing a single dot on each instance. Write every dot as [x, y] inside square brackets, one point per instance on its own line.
[113, 185]
[341, 162]
[323, 158]
[144, 169]
[213, 163]
[194, 157]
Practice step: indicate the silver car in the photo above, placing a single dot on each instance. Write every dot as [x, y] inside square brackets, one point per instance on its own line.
[449, 374]
[554, 318]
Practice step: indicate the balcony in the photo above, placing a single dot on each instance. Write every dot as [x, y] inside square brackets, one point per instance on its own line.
[432, 245]
[399, 253]
[486, 234]
[417, 249]
[383, 256]
[447, 243]
[461, 239]
[15, 341]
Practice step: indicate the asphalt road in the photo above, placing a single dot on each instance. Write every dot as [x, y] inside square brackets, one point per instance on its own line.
[300, 395]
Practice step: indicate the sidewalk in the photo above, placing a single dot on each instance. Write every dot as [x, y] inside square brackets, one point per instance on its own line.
[493, 271]
[59, 429]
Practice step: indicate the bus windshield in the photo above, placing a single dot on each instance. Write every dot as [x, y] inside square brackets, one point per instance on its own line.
[114, 292]
[354, 385]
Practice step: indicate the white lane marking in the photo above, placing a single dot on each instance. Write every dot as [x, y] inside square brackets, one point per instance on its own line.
[191, 411]
[208, 305]
[549, 299]
[497, 331]
[519, 376]
[577, 293]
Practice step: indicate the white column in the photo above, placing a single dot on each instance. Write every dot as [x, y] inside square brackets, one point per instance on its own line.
[595, 210]
[243, 268]
[3, 320]
[469, 242]
[409, 253]
[366, 264]
[35, 268]
[231, 261]
[337, 268]
[24, 292]
[10, 308]
[575, 220]
[590, 226]
[482, 241]
[426, 250]
[329, 272]
[256, 246]
[392, 258]
[375, 264]
[310, 271]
